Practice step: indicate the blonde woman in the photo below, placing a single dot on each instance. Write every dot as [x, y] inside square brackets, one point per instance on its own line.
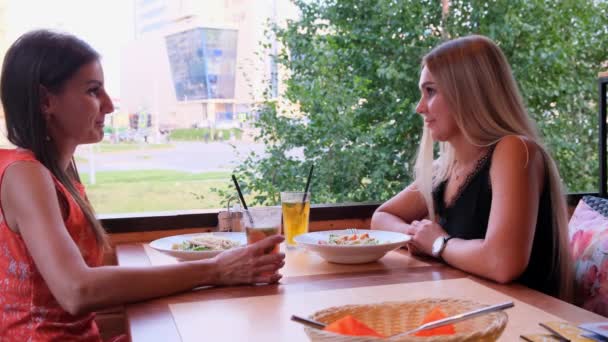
[491, 203]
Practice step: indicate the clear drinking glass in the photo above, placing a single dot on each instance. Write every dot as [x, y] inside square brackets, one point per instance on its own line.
[296, 211]
[260, 223]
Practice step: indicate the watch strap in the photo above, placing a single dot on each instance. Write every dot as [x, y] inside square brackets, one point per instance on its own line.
[445, 243]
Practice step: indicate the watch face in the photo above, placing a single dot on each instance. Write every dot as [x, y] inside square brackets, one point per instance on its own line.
[437, 246]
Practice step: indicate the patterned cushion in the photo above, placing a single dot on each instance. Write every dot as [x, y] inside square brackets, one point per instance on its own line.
[598, 204]
[588, 231]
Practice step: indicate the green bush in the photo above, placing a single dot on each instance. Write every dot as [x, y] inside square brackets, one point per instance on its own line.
[354, 67]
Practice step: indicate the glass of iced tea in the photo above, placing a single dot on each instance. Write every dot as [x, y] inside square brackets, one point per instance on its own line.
[266, 222]
[296, 210]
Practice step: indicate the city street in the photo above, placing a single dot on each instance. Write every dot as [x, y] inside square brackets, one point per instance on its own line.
[182, 156]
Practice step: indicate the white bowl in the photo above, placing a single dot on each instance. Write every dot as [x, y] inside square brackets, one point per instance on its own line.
[164, 245]
[358, 254]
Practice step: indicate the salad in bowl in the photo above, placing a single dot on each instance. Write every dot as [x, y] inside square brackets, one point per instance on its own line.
[345, 247]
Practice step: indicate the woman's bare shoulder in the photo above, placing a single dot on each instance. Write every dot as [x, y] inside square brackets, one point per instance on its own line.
[26, 168]
[517, 150]
[26, 175]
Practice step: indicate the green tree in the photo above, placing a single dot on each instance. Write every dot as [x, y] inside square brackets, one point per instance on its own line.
[555, 49]
[354, 68]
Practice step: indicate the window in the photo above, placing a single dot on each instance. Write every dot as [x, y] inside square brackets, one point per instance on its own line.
[185, 77]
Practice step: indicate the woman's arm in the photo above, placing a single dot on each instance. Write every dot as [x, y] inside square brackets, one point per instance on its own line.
[397, 212]
[31, 207]
[517, 177]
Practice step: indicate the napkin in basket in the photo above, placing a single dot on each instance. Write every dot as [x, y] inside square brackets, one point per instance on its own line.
[435, 315]
[348, 325]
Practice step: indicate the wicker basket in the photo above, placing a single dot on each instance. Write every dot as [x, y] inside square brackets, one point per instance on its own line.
[391, 318]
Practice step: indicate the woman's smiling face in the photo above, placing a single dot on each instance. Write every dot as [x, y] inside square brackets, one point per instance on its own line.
[434, 109]
[77, 111]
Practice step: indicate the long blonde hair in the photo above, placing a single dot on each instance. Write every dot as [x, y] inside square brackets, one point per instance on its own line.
[477, 83]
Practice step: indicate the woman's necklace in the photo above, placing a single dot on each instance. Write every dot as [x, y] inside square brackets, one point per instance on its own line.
[460, 171]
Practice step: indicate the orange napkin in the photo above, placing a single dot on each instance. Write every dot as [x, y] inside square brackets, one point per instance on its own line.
[348, 325]
[435, 315]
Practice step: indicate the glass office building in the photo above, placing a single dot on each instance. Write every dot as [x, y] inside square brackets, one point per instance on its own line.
[203, 63]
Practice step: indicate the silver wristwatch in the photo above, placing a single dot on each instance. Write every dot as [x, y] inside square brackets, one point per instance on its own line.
[439, 245]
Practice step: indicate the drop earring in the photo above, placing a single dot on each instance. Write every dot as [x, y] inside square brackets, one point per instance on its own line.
[48, 117]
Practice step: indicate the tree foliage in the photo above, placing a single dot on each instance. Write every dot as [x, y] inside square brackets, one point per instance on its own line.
[353, 84]
[555, 49]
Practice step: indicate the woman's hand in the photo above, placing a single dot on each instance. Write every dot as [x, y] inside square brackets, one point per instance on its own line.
[424, 233]
[249, 264]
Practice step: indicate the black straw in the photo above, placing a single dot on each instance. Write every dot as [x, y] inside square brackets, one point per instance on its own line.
[308, 183]
[238, 189]
[309, 322]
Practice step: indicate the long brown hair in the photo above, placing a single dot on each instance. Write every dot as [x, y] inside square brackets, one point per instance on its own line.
[44, 58]
[477, 83]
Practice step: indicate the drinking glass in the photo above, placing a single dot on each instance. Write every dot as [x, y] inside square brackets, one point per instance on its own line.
[260, 223]
[296, 211]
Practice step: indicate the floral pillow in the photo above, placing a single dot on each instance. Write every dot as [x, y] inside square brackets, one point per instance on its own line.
[588, 231]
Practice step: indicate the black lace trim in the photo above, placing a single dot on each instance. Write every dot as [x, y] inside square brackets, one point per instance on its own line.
[481, 163]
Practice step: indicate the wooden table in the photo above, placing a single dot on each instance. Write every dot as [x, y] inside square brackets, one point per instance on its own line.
[261, 313]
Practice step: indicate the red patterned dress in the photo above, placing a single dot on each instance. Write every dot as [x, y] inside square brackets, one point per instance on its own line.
[28, 310]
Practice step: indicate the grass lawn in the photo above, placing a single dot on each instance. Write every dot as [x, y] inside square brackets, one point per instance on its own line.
[107, 147]
[154, 190]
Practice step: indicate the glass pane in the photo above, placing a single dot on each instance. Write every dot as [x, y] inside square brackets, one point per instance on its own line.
[184, 77]
[187, 78]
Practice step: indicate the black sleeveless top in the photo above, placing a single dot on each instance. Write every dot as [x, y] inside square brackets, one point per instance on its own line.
[466, 217]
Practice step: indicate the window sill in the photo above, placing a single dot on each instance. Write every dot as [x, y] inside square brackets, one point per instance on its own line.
[169, 220]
